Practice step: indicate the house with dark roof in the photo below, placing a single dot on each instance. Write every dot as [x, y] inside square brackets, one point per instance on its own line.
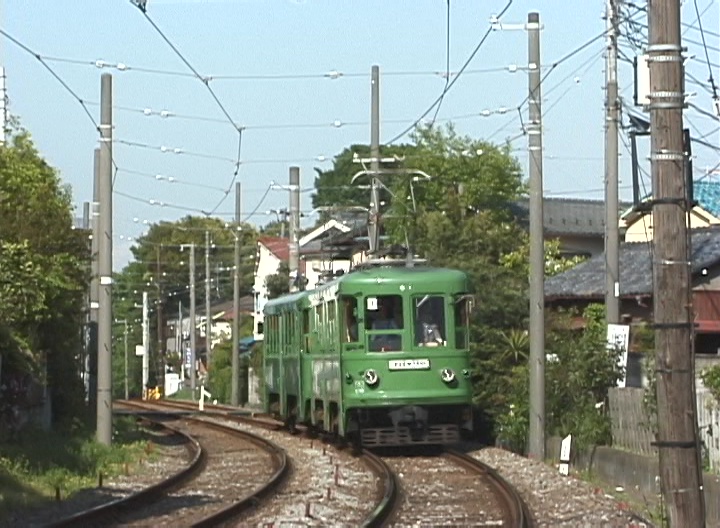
[578, 224]
[638, 222]
[585, 284]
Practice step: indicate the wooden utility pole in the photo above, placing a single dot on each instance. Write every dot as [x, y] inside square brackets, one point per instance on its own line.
[612, 229]
[677, 436]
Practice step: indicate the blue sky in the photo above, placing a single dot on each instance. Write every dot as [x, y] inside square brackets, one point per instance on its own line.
[284, 50]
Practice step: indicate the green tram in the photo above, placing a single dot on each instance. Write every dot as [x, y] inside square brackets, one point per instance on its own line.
[378, 356]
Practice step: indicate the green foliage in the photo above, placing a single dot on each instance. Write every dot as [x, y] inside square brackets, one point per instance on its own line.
[221, 372]
[161, 267]
[279, 283]
[334, 188]
[555, 263]
[39, 463]
[579, 369]
[43, 276]
[711, 379]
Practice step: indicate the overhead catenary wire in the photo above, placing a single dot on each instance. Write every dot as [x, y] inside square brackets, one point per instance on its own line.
[449, 85]
[206, 82]
[331, 75]
[83, 103]
[707, 56]
[447, 60]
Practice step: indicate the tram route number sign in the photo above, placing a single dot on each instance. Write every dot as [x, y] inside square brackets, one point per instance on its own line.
[409, 364]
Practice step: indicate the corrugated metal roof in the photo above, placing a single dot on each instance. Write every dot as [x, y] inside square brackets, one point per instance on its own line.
[707, 195]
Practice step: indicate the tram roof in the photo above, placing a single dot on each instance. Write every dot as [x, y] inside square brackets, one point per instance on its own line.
[376, 280]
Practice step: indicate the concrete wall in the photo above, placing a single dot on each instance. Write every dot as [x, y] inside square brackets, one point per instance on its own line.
[638, 474]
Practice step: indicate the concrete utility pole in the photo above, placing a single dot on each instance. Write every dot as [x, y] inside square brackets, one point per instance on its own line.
[146, 345]
[193, 357]
[612, 235]
[536, 448]
[125, 340]
[86, 331]
[234, 392]
[104, 404]
[91, 366]
[160, 356]
[294, 246]
[677, 435]
[374, 220]
[3, 105]
[208, 315]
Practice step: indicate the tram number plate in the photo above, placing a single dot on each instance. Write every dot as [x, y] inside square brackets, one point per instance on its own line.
[409, 364]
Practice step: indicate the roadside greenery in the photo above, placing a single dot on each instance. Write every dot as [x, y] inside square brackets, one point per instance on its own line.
[43, 278]
[44, 466]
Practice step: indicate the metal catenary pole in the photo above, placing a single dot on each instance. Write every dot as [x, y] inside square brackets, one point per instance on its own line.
[677, 435]
[125, 339]
[146, 345]
[91, 362]
[208, 315]
[536, 448]
[612, 236]
[293, 245]
[160, 355]
[104, 390]
[193, 344]
[234, 392]
[374, 223]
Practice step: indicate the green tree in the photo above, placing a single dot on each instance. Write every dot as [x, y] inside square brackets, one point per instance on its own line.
[44, 276]
[579, 368]
[161, 267]
[279, 283]
[334, 188]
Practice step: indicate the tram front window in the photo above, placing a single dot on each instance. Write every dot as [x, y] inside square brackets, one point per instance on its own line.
[430, 329]
[384, 322]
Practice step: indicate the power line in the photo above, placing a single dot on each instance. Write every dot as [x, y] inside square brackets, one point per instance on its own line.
[206, 82]
[54, 74]
[449, 85]
[331, 75]
[707, 56]
[447, 62]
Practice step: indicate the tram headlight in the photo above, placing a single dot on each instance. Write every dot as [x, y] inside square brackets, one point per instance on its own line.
[447, 375]
[371, 377]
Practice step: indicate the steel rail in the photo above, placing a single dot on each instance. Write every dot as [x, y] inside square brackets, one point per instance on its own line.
[517, 509]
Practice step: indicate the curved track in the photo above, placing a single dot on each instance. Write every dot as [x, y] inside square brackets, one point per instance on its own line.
[205, 492]
[387, 487]
[449, 488]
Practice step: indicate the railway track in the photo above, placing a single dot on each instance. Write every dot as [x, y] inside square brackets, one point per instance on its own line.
[465, 491]
[374, 487]
[327, 485]
[453, 489]
[231, 471]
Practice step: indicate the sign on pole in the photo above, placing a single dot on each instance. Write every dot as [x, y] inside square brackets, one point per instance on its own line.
[139, 350]
[618, 338]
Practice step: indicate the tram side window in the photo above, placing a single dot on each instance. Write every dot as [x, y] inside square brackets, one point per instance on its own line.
[306, 330]
[462, 321]
[350, 322]
[331, 317]
[430, 328]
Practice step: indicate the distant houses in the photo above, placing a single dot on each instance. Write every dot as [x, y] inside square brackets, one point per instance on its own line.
[585, 283]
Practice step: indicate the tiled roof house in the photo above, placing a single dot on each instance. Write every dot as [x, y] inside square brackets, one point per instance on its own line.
[585, 283]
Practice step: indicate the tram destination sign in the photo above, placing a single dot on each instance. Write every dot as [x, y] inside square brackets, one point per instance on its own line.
[409, 364]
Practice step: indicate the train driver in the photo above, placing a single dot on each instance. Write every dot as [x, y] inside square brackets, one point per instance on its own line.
[385, 320]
